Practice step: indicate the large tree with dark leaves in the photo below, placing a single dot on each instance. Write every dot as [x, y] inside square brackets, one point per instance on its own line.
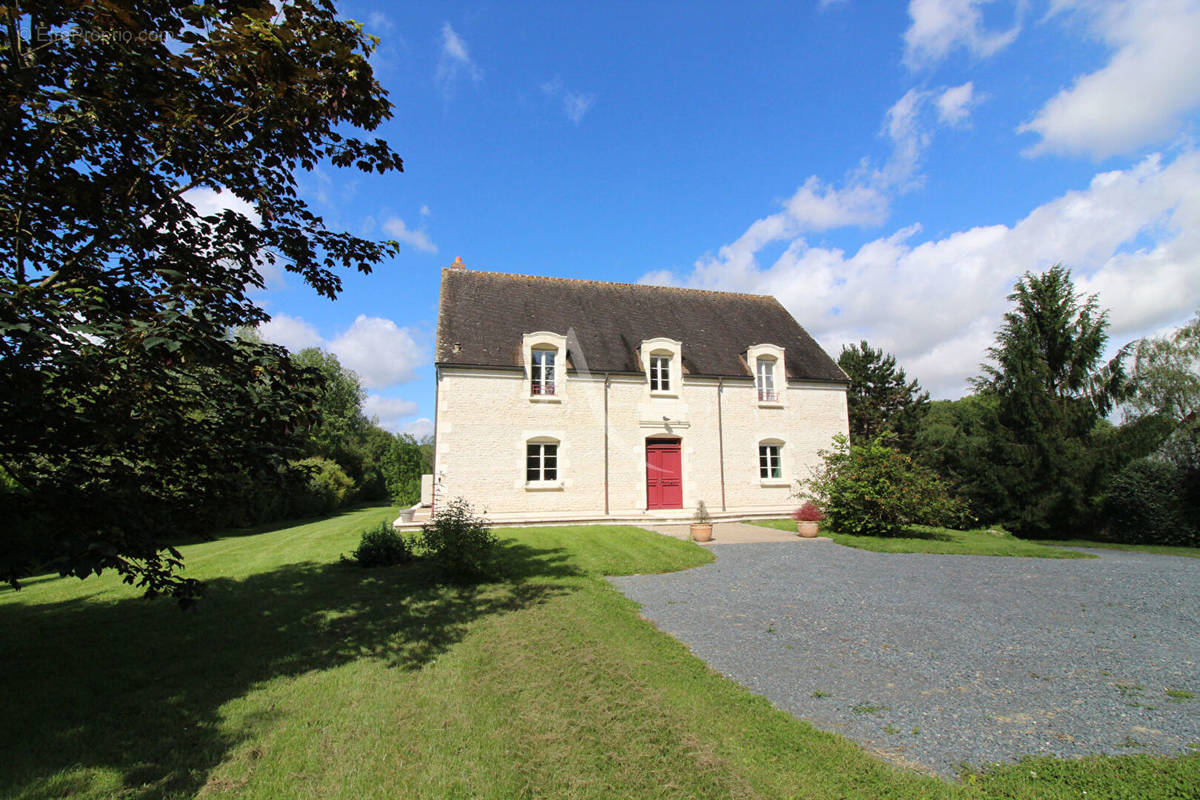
[881, 399]
[125, 407]
[1050, 391]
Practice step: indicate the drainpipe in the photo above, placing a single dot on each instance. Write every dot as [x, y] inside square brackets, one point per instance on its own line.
[606, 377]
[721, 439]
[433, 487]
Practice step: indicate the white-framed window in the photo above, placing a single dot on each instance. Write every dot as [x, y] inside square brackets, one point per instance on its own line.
[765, 378]
[541, 462]
[770, 467]
[542, 372]
[660, 373]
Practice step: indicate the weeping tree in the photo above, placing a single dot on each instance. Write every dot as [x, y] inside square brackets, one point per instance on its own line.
[125, 407]
[1050, 390]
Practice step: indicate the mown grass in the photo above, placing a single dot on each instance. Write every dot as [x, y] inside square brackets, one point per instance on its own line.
[925, 539]
[1157, 549]
[299, 676]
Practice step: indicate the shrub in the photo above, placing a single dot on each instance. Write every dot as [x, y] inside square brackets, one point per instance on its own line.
[383, 546]
[702, 517]
[875, 490]
[1145, 505]
[457, 542]
[328, 488]
[808, 513]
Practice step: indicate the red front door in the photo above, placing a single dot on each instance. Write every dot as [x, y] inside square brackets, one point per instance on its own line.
[664, 486]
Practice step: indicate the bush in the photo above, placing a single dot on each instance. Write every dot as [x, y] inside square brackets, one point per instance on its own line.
[1145, 505]
[458, 543]
[383, 546]
[875, 490]
[327, 489]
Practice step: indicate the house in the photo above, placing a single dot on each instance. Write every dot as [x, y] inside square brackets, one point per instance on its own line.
[562, 399]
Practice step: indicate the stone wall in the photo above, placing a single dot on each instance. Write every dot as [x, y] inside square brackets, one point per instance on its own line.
[485, 418]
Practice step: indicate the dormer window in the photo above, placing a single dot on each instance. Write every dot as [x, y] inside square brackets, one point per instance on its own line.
[766, 380]
[662, 362]
[546, 365]
[770, 378]
[660, 373]
[542, 374]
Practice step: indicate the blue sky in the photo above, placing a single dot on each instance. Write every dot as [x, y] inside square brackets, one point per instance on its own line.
[886, 170]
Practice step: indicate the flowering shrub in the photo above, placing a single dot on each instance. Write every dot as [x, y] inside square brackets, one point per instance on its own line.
[808, 513]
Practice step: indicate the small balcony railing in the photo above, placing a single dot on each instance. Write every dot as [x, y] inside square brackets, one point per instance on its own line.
[543, 389]
[768, 396]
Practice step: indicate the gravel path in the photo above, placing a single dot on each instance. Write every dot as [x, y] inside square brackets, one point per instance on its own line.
[936, 660]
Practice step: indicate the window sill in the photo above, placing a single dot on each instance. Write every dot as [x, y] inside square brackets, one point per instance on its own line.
[661, 393]
[543, 486]
[774, 482]
[770, 404]
[545, 398]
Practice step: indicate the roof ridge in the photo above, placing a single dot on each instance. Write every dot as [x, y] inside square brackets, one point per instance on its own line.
[557, 279]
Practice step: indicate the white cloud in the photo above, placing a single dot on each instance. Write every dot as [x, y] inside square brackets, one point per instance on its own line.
[208, 201]
[818, 206]
[575, 104]
[378, 21]
[380, 352]
[418, 428]
[455, 63]
[939, 27]
[1132, 236]
[954, 104]
[391, 412]
[910, 138]
[292, 332]
[1140, 96]
[417, 239]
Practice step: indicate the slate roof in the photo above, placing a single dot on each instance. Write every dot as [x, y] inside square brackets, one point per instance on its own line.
[483, 316]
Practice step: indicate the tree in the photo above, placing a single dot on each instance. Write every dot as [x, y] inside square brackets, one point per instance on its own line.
[341, 427]
[1051, 391]
[1165, 383]
[403, 465]
[125, 406]
[881, 399]
[1164, 397]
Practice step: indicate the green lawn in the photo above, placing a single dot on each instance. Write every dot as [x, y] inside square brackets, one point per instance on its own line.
[301, 677]
[924, 539]
[1158, 549]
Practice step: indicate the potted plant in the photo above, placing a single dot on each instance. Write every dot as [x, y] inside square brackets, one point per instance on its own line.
[701, 524]
[807, 517]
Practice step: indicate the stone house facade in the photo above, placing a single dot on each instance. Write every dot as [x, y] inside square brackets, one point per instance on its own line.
[562, 399]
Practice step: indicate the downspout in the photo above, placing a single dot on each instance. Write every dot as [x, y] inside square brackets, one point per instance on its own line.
[606, 377]
[433, 488]
[721, 440]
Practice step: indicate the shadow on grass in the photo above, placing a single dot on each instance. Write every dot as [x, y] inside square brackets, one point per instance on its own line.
[136, 687]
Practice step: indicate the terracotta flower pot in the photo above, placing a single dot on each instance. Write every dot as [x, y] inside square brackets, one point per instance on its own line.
[806, 530]
[702, 533]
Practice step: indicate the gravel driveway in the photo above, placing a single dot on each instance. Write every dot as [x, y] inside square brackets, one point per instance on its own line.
[937, 660]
